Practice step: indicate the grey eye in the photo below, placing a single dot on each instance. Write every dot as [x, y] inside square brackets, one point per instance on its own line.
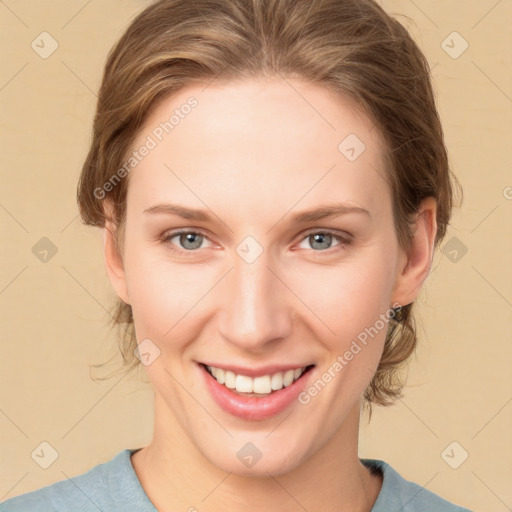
[321, 240]
[190, 240]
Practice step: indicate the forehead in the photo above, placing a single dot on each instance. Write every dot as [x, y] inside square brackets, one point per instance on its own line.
[277, 139]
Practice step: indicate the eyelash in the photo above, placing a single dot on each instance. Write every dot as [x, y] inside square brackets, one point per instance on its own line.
[344, 241]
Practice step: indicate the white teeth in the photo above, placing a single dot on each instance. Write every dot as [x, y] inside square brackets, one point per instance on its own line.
[288, 378]
[220, 375]
[229, 380]
[276, 381]
[243, 384]
[262, 385]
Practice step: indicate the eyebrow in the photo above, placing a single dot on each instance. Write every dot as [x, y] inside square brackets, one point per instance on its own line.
[332, 210]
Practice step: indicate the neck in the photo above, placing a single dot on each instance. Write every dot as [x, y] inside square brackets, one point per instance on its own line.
[177, 476]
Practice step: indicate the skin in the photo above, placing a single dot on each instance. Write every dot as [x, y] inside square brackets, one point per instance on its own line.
[253, 153]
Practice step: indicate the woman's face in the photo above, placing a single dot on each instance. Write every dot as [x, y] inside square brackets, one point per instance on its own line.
[250, 286]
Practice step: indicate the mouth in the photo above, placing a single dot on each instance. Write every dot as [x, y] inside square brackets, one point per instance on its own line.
[259, 386]
[252, 398]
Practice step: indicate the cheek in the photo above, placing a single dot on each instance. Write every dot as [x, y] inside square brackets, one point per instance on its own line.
[348, 297]
[166, 298]
[353, 305]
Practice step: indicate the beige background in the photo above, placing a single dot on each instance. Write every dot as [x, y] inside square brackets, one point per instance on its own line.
[54, 314]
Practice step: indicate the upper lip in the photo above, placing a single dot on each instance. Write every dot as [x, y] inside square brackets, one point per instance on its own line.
[256, 372]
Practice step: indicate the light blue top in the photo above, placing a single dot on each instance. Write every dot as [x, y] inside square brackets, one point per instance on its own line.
[114, 487]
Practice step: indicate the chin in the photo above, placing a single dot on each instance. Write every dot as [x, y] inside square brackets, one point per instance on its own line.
[251, 457]
[275, 465]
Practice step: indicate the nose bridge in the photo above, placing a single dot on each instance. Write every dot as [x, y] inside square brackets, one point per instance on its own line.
[254, 311]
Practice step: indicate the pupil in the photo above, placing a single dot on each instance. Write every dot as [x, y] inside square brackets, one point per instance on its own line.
[318, 238]
[189, 238]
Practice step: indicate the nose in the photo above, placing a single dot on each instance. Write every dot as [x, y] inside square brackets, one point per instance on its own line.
[256, 309]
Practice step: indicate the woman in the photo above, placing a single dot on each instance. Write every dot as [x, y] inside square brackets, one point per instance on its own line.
[272, 182]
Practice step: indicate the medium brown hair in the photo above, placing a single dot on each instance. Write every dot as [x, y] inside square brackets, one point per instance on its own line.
[351, 47]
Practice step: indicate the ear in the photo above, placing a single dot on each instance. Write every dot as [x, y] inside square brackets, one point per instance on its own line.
[413, 270]
[113, 259]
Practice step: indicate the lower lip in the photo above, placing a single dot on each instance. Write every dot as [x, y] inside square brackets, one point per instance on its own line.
[254, 408]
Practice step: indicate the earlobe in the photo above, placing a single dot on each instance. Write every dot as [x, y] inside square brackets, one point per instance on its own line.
[114, 265]
[415, 268]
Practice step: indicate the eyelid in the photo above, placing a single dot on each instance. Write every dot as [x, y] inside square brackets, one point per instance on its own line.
[343, 237]
[175, 232]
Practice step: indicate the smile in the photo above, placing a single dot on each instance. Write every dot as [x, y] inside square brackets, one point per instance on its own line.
[254, 398]
[261, 385]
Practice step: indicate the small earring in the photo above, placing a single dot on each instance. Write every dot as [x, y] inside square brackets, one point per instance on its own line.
[396, 311]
